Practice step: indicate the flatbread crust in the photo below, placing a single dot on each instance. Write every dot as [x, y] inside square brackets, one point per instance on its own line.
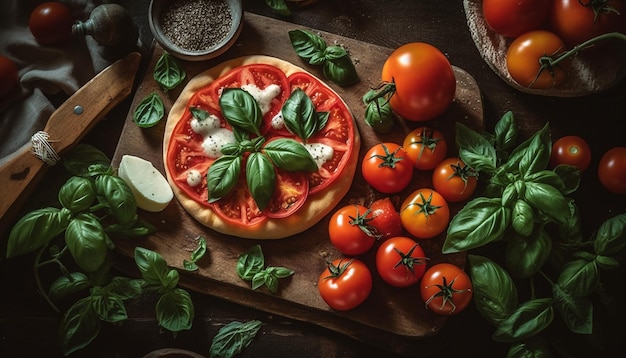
[313, 210]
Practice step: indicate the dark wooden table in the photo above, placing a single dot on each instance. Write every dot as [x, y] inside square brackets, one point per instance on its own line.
[28, 327]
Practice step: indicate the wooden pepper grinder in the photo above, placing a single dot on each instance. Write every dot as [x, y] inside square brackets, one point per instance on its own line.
[111, 26]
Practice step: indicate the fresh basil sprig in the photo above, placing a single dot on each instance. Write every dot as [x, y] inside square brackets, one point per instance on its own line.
[168, 73]
[279, 6]
[231, 339]
[336, 63]
[251, 267]
[526, 209]
[242, 112]
[196, 254]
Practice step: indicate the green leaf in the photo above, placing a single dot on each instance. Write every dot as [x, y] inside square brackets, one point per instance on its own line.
[261, 179]
[154, 269]
[136, 228]
[525, 256]
[279, 7]
[523, 219]
[196, 254]
[536, 155]
[35, 229]
[175, 310]
[577, 312]
[223, 176]
[113, 192]
[299, 114]
[506, 134]
[125, 288]
[77, 194]
[79, 327]
[528, 320]
[250, 262]
[149, 111]
[109, 307]
[233, 338]
[570, 178]
[534, 347]
[379, 115]
[288, 154]
[241, 110]
[478, 223]
[82, 158]
[610, 238]
[475, 150]
[495, 294]
[87, 242]
[308, 46]
[168, 72]
[547, 199]
[65, 286]
[340, 70]
[579, 277]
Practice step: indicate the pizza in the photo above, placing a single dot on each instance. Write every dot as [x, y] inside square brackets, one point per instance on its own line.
[259, 148]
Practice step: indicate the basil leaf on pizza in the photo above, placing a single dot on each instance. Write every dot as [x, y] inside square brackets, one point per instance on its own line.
[258, 148]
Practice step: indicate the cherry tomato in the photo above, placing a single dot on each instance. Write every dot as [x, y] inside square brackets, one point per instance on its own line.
[511, 18]
[612, 170]
[400, 261]
[425, 213]
[577, 21]
[350, 230]
[426, 147]
[446, 289]
[424, 80]
[387, 168]
[454, 180]
[572, 150]
[385, 218]
[522, 59]
[345, 284]
[51, 23]
[9, 79]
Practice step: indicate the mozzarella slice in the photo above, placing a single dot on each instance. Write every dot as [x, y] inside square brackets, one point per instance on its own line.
[151, 190]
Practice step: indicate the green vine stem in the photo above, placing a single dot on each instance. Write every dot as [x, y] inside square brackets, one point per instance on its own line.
[38, 264]
[549, 62]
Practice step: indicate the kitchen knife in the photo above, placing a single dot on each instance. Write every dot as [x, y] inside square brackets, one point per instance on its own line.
[67, 125]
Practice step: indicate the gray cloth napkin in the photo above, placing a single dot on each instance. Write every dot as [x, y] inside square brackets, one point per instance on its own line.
[44, 71]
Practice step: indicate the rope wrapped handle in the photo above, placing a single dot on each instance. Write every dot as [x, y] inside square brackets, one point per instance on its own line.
[42, 149]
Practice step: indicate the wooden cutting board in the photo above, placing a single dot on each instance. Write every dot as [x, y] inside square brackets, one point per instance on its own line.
[392, 318]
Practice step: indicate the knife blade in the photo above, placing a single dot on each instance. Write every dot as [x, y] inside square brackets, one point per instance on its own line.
[67, 125]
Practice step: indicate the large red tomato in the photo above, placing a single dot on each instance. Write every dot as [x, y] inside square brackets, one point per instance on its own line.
[512, 18]
[8, 76]
[387, 167]
[345, 284]
[577, 21]
[350, 231]
[400, 261]
[446, 289]
[51, 23]
[523, 59]
[612, 170]
[424, 80]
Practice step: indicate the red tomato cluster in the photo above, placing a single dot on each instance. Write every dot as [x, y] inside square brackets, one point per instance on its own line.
[548, 28]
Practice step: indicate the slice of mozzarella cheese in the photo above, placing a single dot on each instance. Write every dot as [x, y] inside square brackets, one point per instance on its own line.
[151, 190]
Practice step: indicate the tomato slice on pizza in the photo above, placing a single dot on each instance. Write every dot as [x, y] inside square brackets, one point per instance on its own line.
[218, 170]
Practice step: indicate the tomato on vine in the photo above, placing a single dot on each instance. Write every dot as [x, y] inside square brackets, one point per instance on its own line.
[425, 213]
[345, 283]
[577, 21]
[426, 147]
[572, 150]
[400, 261]
[446, 289]
[454, 180]
[612, 170]
[350, 230]
[385, 218]
[419, 81]
[511, 18]
[387, 168]
[526, 59]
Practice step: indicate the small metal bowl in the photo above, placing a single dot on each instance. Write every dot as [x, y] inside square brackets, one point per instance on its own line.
[175, 48]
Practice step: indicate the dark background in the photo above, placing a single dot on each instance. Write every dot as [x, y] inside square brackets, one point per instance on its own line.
[28, 326]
